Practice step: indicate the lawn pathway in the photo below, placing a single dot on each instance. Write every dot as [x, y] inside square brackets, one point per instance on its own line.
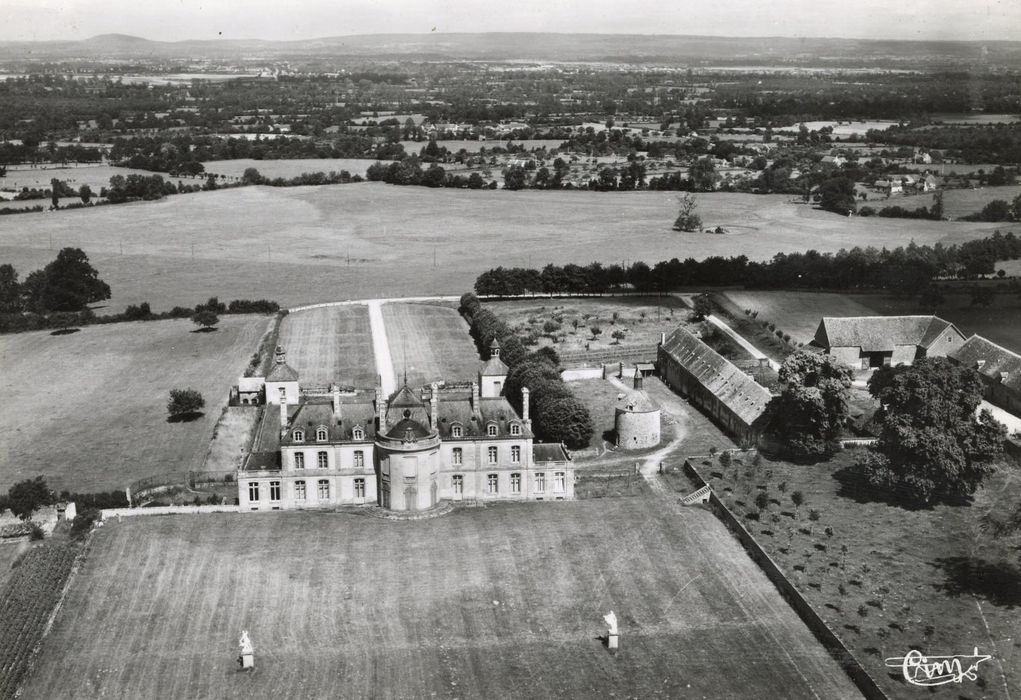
[381, 348]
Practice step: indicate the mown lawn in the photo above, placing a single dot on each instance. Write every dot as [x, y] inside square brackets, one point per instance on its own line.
[501, 602]
[431, 343]
[330, 344]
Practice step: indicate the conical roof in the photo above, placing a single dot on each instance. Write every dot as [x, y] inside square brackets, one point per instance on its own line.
[636, 401]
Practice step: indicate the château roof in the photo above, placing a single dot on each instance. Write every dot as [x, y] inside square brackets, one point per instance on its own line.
[880, 333]
[736, 390]
[311, 415]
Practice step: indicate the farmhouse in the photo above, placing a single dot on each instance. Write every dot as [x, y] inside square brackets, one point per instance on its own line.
[405, 452]
[999, 368]
[714, 384]
[881, 341]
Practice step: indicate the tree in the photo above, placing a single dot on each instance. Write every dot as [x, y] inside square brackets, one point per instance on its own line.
[85, 194]
[798, 499]
[703, 306]
[702, 175]
[996, 210]
[813, 406]
[205, 318]
[931, 447]
[251, 176]
[514, 178]
[475, 181]
[10, 290]
[618, 335]
[69, 283]
[25, 497]
[434, 175]
[63, 320]
[596, 332]
[564, 419]
[687, 215]
[837, 195]
[184, 403]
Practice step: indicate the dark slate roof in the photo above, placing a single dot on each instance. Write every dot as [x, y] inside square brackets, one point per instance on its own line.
[354, 411]
[493, 367]
[282, 373]
[403, 428]
[739, 392]
[880, 333]
[266, 446]
[549, 452]
[998, 360]
[456, 409]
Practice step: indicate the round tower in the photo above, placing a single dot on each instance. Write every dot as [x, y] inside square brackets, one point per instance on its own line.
[407, 454]
[636, 418]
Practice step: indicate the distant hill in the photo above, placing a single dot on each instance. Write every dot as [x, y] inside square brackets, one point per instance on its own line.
[693, 50]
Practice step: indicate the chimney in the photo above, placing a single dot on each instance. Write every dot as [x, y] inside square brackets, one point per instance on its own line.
[475, 397]
[434, 401]
[336, 402]
[524, 407]
[283, 416]
[638, 379]
[662, 337]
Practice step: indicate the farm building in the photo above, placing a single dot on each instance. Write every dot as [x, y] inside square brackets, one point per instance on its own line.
[714, 384]
[881, 341]
[999, 368]
[405, 452]
[636, 418]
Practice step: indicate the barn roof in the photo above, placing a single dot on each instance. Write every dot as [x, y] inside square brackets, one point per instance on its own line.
[738, 392]
[880, 333]
[998, 363]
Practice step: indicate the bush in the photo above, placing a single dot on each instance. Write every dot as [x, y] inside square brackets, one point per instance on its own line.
[82, 523]
[184, 402]
[36, 534]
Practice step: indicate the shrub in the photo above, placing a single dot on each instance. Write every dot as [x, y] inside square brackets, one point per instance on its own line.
[184, 402]
[82, 523]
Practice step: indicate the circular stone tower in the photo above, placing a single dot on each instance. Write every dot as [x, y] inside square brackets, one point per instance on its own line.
[637, 418]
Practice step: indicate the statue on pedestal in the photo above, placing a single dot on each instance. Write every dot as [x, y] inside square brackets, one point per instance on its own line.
[247, 658]
[612, 639]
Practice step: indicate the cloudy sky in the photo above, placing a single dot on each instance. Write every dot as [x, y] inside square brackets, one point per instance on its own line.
[171, 20]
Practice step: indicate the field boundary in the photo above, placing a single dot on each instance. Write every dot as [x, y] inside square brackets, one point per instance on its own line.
[827, 637]
[167, 510]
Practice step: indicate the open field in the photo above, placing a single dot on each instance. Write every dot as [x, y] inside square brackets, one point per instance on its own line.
[957, 203]
[431, 342]
[641, 318]
[926, 579]
[309, 244]
[501, 602]
[474, 146]
[95, 176]
[9, 553]
[89, 410]
[799, 313]
[330, 344]
[288, 168]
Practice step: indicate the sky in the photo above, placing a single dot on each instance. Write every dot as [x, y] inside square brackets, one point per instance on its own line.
[174, 20]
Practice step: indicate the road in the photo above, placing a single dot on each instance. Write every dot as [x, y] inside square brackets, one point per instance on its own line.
[380, 346]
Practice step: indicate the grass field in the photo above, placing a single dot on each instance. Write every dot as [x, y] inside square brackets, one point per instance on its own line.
[435, 340]
[800, 312]
[502, 602]
[330, 344]
[957, 203]
[926, 579]
[311, 244]
[89, 410]
[95, 176]
[288, 168]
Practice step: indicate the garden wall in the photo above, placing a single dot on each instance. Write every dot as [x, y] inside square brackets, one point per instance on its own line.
[861, 678]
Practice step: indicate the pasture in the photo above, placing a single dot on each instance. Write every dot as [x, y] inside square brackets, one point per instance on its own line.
[95, 176]
[501, 602]
[331, 344]
[474, 146]
[288, 168]
[957, 202]
[798, 313]
[88, 410]
[431, 342]
[310, 244]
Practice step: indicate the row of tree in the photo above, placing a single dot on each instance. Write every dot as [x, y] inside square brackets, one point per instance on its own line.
[557, 415]
[905, 268]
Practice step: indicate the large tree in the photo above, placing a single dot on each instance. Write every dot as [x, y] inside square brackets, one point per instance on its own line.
[26, 496]
[813, 405]
[69, 283]
[184, 403]
[837, 195]
[932, 446]
[10, 290]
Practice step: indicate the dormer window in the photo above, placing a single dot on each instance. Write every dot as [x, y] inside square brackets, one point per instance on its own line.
[491, 430]
[299, 436]
[358, 433]
[322, 435]
[456, 431]
[515, 429]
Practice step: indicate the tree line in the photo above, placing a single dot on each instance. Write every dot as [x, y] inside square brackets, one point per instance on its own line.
[905, 268]
[556, 414]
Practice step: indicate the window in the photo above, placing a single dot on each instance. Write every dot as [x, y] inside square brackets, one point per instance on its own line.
[516, 453]
[323, 460]
[324, 490]
[492, 483]
[491, 430]
[253, 491]
[515, 429]
[359, 488]
[274, 490]
[457, 481]
[299, 436]
[299, 490]
[493, 455]
[456, 431]
[457, 456]
[515, 483]
[359, 458]
[540, 481]
[283, 395]
[321, 434]
[299, 460]
[559, 482]
[358, 434]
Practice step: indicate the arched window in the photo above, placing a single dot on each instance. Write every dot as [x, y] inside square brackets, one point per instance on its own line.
[299, 436]
[357, 433]
[321, 434]
[515, 429]
[491, 430]
[456, 431]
